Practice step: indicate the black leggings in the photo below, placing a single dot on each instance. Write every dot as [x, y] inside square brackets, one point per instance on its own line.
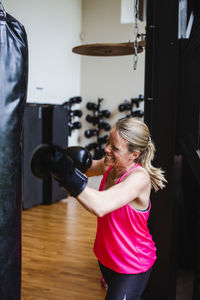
[124, 286]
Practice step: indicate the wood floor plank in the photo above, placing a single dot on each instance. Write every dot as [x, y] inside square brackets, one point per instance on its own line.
[57, 253]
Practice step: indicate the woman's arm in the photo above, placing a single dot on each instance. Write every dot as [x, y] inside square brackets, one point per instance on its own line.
[100, 203]
[97, 168]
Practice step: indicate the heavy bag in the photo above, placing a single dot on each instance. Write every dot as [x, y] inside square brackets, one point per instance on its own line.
[13, 92]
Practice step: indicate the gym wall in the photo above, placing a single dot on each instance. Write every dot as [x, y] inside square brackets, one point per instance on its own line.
[56, 74]
[111, 78]
[53, 28]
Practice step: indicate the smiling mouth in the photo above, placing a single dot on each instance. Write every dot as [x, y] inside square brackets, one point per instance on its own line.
[109, 158]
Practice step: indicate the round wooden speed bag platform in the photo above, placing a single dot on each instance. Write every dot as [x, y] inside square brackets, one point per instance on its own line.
[108, 49]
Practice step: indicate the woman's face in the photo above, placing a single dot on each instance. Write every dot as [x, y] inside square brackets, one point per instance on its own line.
[117, 154]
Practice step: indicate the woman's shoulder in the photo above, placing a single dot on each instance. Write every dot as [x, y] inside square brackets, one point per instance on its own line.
[139, 173]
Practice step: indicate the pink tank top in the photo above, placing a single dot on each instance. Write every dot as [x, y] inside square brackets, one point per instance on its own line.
[123, 242]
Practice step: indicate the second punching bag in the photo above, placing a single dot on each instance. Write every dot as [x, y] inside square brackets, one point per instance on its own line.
[13, 92]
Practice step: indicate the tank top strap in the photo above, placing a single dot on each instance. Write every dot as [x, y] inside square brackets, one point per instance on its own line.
[104, 179]
[127, 172]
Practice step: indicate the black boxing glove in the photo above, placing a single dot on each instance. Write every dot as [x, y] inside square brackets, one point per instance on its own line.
[51, 160]
[81, 157]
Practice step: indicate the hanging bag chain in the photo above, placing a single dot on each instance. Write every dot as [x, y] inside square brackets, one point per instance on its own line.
[136, 34]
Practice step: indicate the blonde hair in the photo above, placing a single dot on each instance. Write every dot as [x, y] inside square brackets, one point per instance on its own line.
[137, 135]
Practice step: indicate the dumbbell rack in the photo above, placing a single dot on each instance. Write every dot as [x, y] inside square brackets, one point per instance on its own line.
[73, 113]
[97, 120]
[129, 105]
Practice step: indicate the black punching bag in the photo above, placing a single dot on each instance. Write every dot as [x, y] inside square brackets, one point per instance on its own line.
[13, 91]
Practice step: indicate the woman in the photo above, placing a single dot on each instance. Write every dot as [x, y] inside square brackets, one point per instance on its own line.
[123, 245]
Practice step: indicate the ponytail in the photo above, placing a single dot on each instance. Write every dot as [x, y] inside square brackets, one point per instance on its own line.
[156, 174]
[136, 133]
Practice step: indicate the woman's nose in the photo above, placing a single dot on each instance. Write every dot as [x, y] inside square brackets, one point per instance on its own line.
[107, 148]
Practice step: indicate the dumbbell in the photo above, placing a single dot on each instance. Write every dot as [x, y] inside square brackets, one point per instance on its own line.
[96, 121]
[137, 113]
[76, 112]
[99, 154]
[125, 106]
[103, 140]
[91, 132]
[104, 125]
[75, 100]
[94, 146]
[75, 125]
[91, 119]
[92, 106]
[137, 101]
[104, 113]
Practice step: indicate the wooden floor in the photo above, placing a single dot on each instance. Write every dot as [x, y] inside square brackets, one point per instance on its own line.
[57, 257]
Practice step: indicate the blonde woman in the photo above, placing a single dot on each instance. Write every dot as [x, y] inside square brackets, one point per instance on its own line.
[123, 246]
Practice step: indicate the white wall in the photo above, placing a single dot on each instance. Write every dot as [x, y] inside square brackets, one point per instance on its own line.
[56, 74]
[53, 28]
[111, 78]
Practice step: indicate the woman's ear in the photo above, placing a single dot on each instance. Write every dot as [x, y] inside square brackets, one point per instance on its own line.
[135, 155]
